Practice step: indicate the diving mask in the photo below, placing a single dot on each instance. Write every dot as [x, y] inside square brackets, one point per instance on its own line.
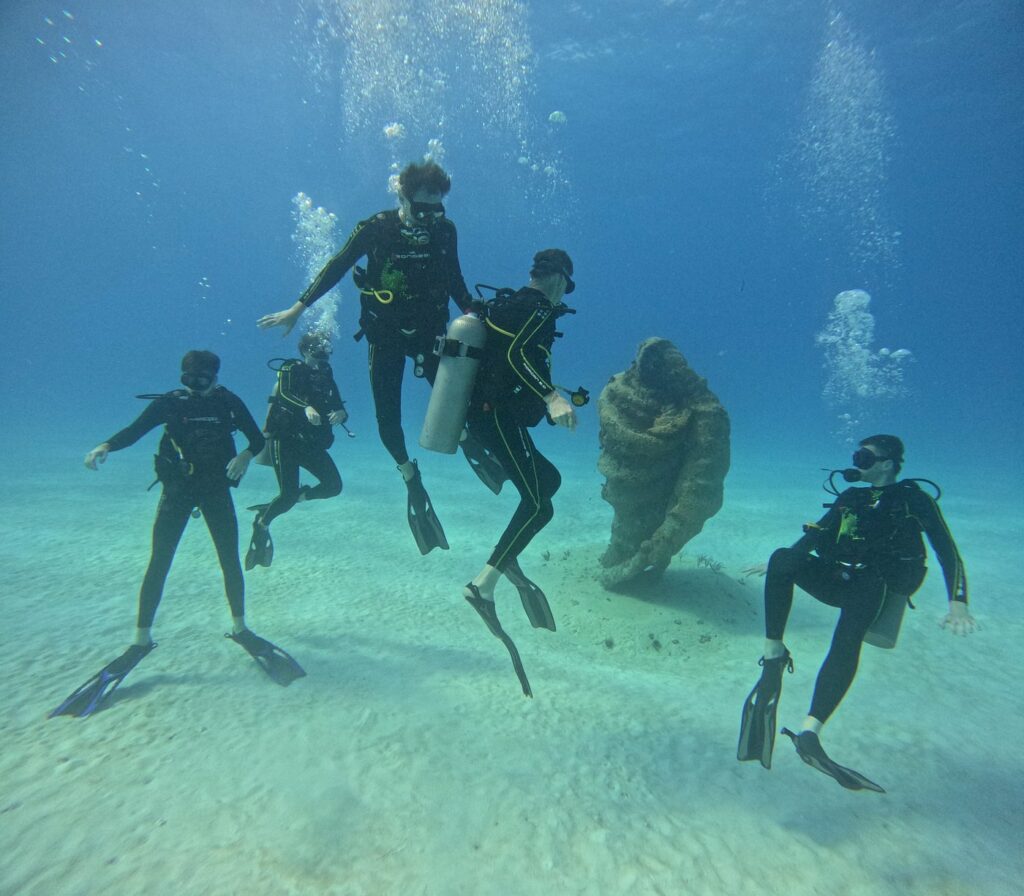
[197, 381]
[426, 212]
[865, 458]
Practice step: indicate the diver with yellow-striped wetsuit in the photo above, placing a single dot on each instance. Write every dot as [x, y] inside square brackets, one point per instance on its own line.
[304, 407]
[866, 557]
[412, 270]
[513, 392]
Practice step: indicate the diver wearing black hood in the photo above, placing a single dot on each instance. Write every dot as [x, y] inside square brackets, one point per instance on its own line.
[197, 466]
[305, 404]
[866, 549]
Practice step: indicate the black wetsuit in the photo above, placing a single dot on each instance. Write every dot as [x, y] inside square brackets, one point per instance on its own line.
[195, 450]
[869, 543]
[295, 442]
[514, 377]
[411, 271]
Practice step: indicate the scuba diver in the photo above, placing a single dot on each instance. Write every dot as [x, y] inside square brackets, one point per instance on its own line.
[866, 557]
[411, 272]
[513, 392]
[197, 466]
[305, 405]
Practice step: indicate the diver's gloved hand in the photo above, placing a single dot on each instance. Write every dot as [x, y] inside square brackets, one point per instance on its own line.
[97, 455]
[958, 621]
[312, 415]
[238, 465]
[338, 418]
[560, 411]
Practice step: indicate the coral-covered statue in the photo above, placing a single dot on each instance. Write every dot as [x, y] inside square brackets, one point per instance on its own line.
[664, 453]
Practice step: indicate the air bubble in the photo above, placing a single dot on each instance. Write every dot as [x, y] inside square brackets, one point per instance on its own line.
[856, 372]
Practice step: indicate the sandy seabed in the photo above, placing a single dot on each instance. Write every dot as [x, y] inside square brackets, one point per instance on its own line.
[409, 762]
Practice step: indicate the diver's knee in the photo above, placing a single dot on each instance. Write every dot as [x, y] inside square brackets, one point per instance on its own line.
[555, 483]
[783, 562]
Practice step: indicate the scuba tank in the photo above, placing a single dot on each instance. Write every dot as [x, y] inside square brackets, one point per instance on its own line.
[265, 458]
[460, 351]
[885, 630]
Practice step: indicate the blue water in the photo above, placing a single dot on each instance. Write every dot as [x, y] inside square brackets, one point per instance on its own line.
[147, 186]
[720, 171]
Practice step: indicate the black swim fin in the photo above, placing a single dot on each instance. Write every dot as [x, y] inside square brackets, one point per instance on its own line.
[534, 602]
[488, 612]
[278, 664]
[809, 749]
[483, 462]
[87, 698]
[261, 547]
[425, 526]
[757, 723]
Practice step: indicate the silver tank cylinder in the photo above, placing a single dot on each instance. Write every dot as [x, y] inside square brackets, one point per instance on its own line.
[453, 385]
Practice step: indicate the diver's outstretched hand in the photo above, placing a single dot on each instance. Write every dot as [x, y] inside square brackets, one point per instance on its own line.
[98, 455]
[759, 569]
[284, 319]
[958, 621]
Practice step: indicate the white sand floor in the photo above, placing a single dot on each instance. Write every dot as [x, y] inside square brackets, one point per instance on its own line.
[408, 761]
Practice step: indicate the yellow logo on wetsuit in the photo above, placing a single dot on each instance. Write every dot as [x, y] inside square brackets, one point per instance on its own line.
[848, 526]
[394, 281]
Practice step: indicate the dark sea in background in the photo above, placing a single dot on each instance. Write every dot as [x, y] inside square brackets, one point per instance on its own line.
[722, 172]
